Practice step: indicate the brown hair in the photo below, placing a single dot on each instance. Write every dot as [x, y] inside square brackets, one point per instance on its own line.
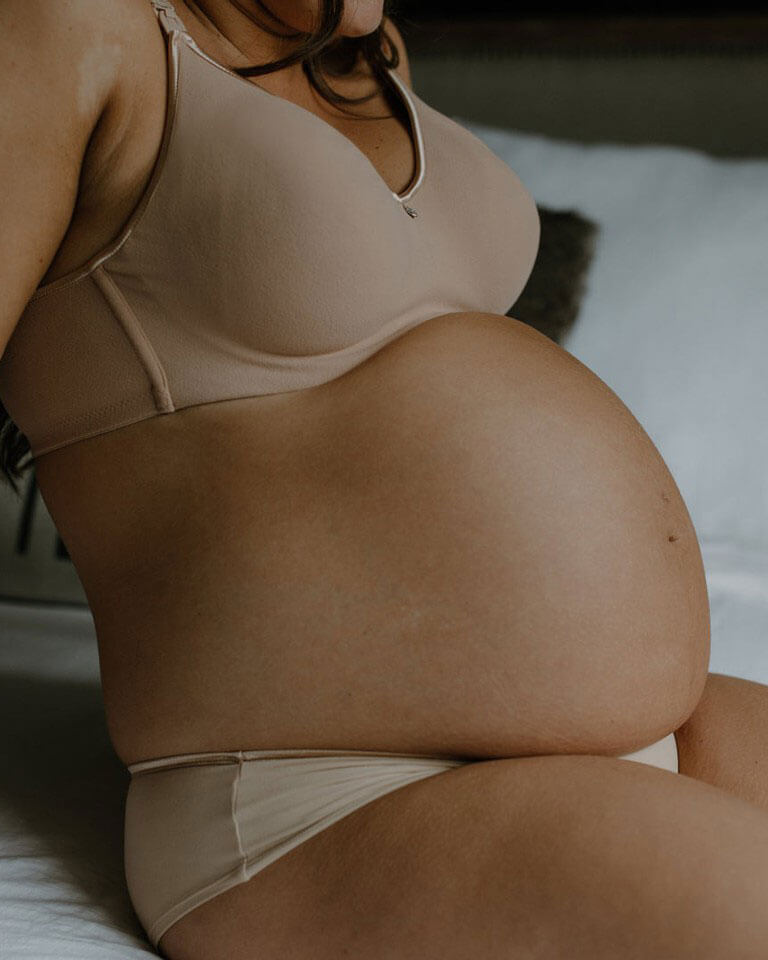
[319, 55]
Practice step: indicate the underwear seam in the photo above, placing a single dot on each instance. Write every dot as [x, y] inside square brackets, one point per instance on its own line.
[178, 910]
[235, 819]
[160, 767]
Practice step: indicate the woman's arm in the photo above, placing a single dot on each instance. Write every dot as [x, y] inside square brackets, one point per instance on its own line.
[57, 73]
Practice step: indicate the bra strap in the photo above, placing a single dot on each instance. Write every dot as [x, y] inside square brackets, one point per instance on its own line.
[168, 17]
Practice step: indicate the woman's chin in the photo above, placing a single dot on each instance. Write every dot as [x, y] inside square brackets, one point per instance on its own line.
[362, 21]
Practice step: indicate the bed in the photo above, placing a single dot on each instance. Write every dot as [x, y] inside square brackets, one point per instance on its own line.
[653, 129]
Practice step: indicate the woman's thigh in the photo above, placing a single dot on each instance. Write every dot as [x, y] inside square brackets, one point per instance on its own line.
[547, 857]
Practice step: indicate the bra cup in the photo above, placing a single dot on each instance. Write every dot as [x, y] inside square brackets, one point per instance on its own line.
[266, 255]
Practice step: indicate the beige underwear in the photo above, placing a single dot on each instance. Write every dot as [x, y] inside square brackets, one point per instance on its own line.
[200, 823]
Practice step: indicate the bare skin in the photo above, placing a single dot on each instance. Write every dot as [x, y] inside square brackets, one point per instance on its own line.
[553, 858]
[115, 497]
[578, 857]
[725, 741]
[577, 622]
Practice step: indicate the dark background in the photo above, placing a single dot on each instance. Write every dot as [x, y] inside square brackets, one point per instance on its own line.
[541, 9]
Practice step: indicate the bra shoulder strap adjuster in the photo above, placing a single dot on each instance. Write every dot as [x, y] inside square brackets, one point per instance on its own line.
[168, 17]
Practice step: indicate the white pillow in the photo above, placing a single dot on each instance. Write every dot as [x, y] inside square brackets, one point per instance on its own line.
[675, 318]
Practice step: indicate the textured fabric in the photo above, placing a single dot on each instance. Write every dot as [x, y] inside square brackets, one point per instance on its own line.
[267, 254]
[198, 824]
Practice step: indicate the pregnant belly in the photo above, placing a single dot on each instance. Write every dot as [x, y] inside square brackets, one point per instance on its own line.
[467, 544]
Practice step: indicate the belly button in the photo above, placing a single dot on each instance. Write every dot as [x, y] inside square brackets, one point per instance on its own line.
[672, 538]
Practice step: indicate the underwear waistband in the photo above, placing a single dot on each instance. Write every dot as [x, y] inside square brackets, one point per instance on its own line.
[239, 756]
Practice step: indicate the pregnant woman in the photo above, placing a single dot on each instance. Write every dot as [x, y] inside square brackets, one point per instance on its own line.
[402, 621]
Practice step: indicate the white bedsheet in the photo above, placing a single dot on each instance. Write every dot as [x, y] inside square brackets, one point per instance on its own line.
[62, 788]
[62, 892]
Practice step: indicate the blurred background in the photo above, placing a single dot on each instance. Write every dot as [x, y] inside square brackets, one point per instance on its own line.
[682, 73]
[509, 9]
